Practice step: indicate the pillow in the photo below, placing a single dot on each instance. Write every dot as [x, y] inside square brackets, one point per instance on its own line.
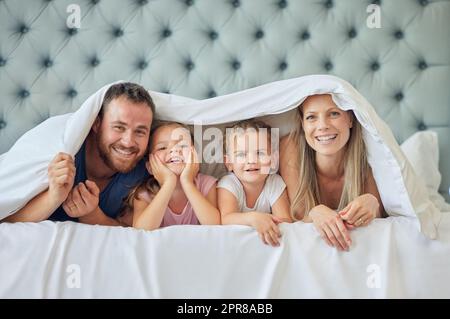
[422, 151]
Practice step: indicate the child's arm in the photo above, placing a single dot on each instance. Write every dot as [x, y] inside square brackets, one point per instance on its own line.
[205, 208]
[149, 216]
[282, 207]
[265, 224]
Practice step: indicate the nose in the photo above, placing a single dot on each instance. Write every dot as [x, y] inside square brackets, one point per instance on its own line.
[128, 139]
[323, 123]
[175, 149]
[251, 158]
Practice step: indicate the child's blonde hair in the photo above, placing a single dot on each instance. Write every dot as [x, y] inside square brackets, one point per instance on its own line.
[243, 126]
[150, 185]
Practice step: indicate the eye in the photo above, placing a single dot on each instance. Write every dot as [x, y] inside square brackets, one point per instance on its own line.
[119, 128]
[335, 113]
[239, 154]
[161, 148]
[261, 153]
[184, 146]
[309, 117]
[141, 133]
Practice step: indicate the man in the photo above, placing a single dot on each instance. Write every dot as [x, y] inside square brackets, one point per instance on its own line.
[91, 187]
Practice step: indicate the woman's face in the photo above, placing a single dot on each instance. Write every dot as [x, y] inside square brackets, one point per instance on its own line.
[327, 128]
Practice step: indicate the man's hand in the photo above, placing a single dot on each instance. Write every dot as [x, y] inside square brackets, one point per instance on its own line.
[82, 200]
[61, 175]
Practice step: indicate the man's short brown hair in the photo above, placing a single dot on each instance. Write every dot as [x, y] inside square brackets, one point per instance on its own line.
[131, 91]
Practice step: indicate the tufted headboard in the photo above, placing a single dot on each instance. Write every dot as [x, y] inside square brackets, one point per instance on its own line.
[396, 52]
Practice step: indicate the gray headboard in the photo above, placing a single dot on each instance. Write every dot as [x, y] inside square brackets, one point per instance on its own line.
[398, 57]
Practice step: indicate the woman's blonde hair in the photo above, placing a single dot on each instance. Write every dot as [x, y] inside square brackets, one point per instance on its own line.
[150, 185]
[356, 169]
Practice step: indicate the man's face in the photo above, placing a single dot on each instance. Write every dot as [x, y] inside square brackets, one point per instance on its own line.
[123, 133]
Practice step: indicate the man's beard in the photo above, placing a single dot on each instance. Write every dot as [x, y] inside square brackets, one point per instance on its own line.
[106, 154]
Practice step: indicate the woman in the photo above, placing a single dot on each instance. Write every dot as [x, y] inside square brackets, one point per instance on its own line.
[324, 164]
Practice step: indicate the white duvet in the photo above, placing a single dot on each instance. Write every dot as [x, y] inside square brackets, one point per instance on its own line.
[388, 259]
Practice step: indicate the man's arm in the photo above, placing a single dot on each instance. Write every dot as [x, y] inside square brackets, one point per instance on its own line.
[38, 209]
[61, 174]
[98, 217]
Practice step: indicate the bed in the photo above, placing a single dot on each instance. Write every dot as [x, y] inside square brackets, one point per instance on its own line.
[396, 53]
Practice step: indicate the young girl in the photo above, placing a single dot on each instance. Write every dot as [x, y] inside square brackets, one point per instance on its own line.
[175, 193]
[249, 195]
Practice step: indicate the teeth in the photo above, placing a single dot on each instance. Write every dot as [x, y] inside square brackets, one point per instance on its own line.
[176, 160]
[123, 152]
[326, 138]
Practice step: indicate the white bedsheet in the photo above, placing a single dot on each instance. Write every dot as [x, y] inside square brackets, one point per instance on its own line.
[36, 261]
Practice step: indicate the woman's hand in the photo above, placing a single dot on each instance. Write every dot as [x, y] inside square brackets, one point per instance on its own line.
[191, 168]
[267, 227]
[360, 211]
[160, 171]
[331, 227]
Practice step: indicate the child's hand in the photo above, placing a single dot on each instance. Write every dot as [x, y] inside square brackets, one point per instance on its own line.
[160, 171]
[361, 211]
[267, 227]
[191, 168]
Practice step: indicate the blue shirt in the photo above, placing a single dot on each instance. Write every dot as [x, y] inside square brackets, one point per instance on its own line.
[111, 198]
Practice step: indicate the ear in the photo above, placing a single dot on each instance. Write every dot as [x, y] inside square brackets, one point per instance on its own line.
[228, 163]
[96, 125]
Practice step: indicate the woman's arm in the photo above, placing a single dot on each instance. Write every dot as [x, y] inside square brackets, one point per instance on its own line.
[364, 208]
[205, 208]
[371, 188]
[289, 168]
[149, 216]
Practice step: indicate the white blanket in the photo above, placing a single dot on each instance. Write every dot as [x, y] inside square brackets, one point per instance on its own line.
[23, 170]
[388, 259]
